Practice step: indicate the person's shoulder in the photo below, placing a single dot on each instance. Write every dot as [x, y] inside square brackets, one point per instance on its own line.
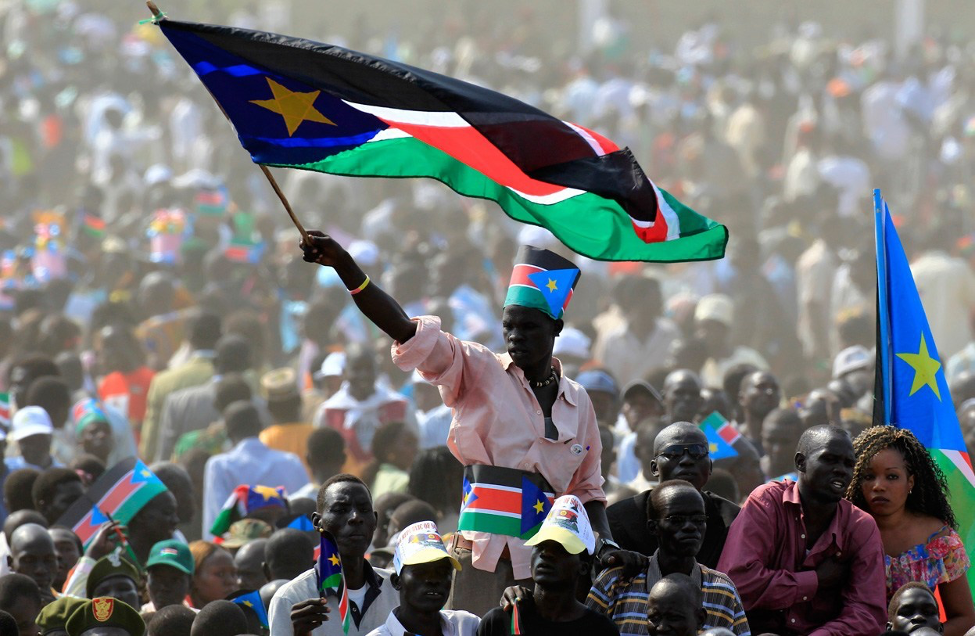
[600, 624]
[494, 622]
[717, 504]
[301, 588]
[630, 508]
[465, 622]
[711, 578]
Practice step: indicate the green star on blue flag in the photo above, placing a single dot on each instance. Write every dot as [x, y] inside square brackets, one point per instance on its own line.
[910, 379]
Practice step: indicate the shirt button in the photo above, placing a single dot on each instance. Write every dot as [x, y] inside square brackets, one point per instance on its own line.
[793, 621]
[838, 554]
[538, 412]
[805, 598]
[803, 537]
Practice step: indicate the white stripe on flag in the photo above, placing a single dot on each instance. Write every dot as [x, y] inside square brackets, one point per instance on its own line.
[587, 138]
[956, 457]
[473, 508]
[671, 217]
[448, 119]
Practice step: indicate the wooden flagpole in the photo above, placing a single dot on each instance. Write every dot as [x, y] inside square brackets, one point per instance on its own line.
[158, 15]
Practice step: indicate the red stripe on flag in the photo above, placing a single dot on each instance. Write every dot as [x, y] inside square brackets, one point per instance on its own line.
[728, 433]
[605, 144]
[118, 494]
[85, 529]
[521, 272]
[496, 500]
[470, 147]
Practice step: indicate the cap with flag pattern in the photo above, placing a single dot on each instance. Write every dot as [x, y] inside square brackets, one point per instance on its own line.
[243, 500]
[173, 553]
[567, 523]
[421, 543]
[542, 280]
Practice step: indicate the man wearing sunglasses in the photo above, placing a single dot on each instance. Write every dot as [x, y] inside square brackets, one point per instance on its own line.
[681, 453]
[677, 518]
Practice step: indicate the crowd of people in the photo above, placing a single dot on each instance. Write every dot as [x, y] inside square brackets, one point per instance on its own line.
[485, 462]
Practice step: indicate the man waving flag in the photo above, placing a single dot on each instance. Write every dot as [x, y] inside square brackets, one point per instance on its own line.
[301, 104]
[910, 376]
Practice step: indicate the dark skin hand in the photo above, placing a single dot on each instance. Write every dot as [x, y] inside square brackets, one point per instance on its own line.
[308, 615]
[375, 304]
[831, 573]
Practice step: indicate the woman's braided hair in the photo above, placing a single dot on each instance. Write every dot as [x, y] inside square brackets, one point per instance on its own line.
[929, 493]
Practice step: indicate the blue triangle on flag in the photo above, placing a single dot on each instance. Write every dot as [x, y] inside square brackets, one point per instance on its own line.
[535, 506]
[302, 523]
[141, 473]
[718, 448]
[467, 493]
[98, 518]
[556, 286]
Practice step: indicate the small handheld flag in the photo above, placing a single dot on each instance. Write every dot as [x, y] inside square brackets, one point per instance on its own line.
[721, 436]
[253, 601]
[329, 576]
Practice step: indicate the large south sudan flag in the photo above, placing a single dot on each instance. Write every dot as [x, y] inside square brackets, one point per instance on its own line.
[910, 380]
[302, 104]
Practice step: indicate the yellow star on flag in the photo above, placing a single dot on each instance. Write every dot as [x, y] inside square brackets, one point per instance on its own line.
[713, 447]
[265, 492]
[551, 285]
[293, 106]
[538, 506]
[334, 559]
[925, 367]
[145, 473]
[247, 603]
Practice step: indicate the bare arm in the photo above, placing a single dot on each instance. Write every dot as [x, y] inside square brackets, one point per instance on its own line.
[382, 310]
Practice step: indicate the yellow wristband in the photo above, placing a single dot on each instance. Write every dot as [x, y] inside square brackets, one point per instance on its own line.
[361, 288]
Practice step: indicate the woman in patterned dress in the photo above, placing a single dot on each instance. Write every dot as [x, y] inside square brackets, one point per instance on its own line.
[897, 481]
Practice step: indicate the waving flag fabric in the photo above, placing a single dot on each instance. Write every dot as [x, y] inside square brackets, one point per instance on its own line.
[302, 104]
[121, 492]
[253, 601]
[243, 500]
[910, 376]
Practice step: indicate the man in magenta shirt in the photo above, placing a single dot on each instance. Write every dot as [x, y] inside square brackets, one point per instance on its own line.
[804, 560]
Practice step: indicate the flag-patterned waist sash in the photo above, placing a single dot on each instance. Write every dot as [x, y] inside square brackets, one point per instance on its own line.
[504, 501]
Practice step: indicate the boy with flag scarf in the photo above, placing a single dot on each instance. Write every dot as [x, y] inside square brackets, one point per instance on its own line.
[524, 431]
[343, 594]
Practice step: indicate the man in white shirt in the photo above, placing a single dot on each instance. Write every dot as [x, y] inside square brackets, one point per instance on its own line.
[423, 579]
[714, 320]
[946, 288]
[643, 342]
[345, 509]
[249, 462]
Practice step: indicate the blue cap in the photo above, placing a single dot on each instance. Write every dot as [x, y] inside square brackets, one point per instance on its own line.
[598, 380]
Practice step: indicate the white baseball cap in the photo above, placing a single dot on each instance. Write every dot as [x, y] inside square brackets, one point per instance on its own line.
[567, 523]
[851, 359]
[421, 543]
[332, 365]
[572, 342]
[716, 307]
[30, 421]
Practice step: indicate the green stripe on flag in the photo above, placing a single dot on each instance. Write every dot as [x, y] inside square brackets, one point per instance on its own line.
[484, 522]
[587, 223]
[962, 502]
[128, 509]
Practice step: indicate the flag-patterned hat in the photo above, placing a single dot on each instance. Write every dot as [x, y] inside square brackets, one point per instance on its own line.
[542, 280]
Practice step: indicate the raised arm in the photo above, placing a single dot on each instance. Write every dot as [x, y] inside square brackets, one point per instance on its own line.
[378, 306]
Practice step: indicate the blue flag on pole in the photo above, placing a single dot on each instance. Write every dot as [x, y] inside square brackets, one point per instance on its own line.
[910, 381]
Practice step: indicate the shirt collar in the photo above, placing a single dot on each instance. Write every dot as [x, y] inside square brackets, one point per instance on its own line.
[394, 627]
[792, 494]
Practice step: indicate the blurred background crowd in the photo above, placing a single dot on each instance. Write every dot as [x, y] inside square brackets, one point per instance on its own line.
[146, 263]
